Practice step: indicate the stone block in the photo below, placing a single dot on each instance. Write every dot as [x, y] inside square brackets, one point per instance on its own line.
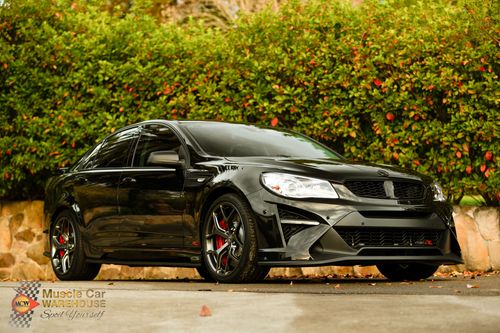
[16, 222]
[494, 250]
[10, 208]
[35, 252]
[7, 260]
[109, 272]
[4, 274]
[474, 247]
[28, 270]
[5, 235]
[487, 219]
[366, 271]
[131, 273]
[25, 235]
[34, 215]
[164, 273]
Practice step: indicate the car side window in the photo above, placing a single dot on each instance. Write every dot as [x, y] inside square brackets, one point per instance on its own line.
[88, 159]
[155, 138]
[114, 151]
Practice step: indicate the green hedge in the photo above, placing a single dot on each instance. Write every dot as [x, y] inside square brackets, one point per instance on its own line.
[389, 82]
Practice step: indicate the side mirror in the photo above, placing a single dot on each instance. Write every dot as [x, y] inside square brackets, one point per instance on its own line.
[165, 158]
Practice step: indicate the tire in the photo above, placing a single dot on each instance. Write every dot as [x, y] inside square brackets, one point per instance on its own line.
[409, 272]
[66, 250]
[229, 241]
[263, 274]
[202, 270]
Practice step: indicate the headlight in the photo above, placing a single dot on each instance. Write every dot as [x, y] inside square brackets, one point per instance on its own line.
[437, 192]
[298, 186]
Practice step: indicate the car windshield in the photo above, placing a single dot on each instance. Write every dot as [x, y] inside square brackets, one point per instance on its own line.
[237, 140]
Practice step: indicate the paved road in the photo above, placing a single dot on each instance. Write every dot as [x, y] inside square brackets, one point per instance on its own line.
[458, 304]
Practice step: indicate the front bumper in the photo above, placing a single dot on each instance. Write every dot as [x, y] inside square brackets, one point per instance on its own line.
[344, 232]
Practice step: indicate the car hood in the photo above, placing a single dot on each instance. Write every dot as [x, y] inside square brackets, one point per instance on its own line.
[333, 170]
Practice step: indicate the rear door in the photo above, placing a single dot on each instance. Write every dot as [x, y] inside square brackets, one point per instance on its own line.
[151, 198]
[95, 188]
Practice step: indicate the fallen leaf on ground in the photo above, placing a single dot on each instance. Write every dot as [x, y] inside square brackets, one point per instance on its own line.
[372, 284]
[337, 286]
[205, 311]
[470, 286]
[438, 287]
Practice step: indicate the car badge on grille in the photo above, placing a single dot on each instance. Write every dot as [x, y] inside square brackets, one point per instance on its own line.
[383, 173]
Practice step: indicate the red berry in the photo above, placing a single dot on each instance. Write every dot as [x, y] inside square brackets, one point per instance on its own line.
[488, 155]
[483, 168]
[395, 156]
[458, 154]
[274, 122]
[468, 170]
[377, 82]
[389, 116]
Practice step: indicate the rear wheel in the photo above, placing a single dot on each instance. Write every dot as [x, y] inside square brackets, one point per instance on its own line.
[410, 272]
[229, 241]
[66, 250]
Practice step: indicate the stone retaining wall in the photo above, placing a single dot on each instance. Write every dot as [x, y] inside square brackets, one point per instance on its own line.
[22, 244]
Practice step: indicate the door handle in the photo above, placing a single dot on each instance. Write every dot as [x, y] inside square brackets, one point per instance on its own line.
[129, 180]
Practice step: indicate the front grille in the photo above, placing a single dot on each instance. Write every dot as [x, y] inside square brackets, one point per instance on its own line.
[388, 189]
[369, 189]
[408, 190]
[389, 237]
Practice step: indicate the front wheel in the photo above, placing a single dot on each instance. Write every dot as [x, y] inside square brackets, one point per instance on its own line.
[409, 272]
[229, 241]
[66, 250]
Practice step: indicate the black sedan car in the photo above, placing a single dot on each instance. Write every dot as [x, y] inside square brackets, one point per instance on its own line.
[234, 200]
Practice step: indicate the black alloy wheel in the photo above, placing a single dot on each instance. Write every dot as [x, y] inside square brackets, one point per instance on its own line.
[229, 241]
[409, 272]
[66, 250]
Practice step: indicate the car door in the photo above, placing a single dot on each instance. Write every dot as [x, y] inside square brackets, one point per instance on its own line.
[94, 186]
[151, 197]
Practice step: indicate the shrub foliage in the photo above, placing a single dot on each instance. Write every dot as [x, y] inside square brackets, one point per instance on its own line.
[388, 82]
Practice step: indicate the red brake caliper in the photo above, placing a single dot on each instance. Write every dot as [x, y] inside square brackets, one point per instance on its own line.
[61, 241]
[219, 241]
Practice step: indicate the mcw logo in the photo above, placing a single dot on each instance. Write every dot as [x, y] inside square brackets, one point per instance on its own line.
[23, 304]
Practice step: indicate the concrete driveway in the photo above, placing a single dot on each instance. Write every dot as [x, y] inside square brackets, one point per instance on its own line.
[457, 304]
